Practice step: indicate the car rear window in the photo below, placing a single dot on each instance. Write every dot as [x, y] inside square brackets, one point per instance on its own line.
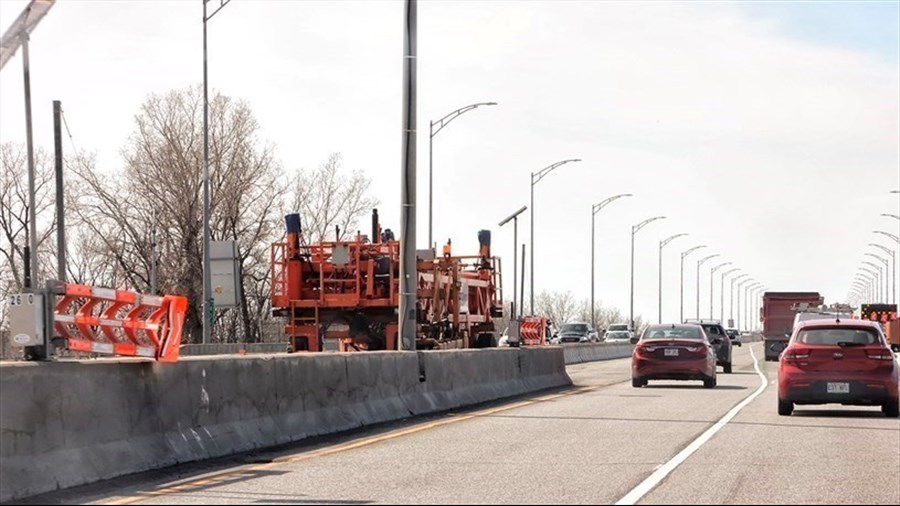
[713, 330]
[653, 333]
[838, 337]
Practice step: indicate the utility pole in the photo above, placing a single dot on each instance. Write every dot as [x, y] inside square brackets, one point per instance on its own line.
[408, 272]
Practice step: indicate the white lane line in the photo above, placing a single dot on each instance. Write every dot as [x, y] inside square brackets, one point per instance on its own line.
[660, 474]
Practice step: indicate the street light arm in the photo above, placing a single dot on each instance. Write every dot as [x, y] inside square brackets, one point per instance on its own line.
[636, 228]
[888, 234]
[730, 271]
[537, 176]
[684, 254]
[716, 268]
[667, 240]
[887, 250]
[704, 259]
[883, 260]
[597, 207]
[222, 3]
[896, 217]
[21, 28]
[441, 123]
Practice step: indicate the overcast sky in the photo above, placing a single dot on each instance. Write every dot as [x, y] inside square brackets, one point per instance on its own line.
[767, 131]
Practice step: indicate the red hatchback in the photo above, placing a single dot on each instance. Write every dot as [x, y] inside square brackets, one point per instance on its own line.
[838, 361]
[673, 352]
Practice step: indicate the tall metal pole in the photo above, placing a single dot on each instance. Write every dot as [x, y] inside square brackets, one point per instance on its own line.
[531, 257]
[663, 244]
[29, 141]
[712, 276]
[631, 305]
[634, 230]
[593, 234]
[684, 255]
[535, 178]
[722, 293]
[515, 261]
[60, 214]
[408, 272]
[699, 264]
[153, 256]
[208, 307]
[659, 288]
[594, 210]
[440, 124]
[431, 191]
[522, 293]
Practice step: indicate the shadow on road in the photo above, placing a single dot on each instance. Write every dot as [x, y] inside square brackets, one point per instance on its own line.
[825, 413]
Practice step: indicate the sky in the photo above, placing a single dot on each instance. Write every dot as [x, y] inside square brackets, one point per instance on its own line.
[766, 131]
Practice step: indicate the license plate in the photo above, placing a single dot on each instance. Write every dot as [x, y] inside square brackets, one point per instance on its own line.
[838, 388]
[671, 352]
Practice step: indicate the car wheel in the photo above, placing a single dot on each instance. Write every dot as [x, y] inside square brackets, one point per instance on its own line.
[727, 368]
[785, 408]
[638, 383]
[709, 383]
[891, 408]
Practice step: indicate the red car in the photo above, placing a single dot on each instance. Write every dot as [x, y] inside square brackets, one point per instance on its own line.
[838, 361]
[674, 352]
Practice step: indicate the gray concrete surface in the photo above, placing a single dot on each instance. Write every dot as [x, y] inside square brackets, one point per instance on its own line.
[581, 353]
[591, 443]
[69, 423]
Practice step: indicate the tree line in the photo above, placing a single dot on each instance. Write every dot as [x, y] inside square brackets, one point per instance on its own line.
[111, 212]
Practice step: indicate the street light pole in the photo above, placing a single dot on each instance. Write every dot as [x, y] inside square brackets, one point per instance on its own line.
[409, 278]
[441, 123]
[722, 293]
[634, 230]
[893, 256]
[875, 285]
[879, 278]
[684, 254]
[731, 299]
[887, 269]
[535, 179]
[747, 291]
[208, 307]
[515, 219]
[712, 277]
[594, 210]
[662, 244]
[739, 286]
[699, 263]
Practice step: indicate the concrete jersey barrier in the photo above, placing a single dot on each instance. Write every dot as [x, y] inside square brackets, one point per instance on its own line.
[69, 423]
[580, 353]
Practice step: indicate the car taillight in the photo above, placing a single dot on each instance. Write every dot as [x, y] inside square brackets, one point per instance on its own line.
[793, 355]
[881, 355]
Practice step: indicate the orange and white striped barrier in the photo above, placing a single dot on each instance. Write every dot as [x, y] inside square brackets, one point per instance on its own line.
[533, 331]
[119, 322]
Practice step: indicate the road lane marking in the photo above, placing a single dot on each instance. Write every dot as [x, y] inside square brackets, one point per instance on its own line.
[188, 486]
[660, 473]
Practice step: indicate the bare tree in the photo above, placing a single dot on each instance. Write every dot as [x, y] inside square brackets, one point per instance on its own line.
[163, 177]
[14, 218]
[327, 198]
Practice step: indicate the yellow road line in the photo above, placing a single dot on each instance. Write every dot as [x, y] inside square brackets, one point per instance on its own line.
[224, 475]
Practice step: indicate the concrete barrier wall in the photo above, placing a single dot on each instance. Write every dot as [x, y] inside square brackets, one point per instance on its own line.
[191, 350]
[579, 353]
[68, 423]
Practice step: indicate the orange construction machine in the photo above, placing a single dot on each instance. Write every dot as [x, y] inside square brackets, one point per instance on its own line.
[349, 292]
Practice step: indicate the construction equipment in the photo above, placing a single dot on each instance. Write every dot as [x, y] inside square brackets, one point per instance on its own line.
[348, 292]
[97, 320]
[886, 314]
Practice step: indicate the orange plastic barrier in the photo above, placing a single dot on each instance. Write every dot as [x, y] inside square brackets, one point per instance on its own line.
[533, 331]
[118, 322]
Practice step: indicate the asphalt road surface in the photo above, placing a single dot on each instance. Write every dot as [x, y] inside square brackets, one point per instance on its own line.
[601, 441]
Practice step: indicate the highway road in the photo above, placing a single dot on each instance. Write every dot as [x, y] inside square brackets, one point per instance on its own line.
[601, 441]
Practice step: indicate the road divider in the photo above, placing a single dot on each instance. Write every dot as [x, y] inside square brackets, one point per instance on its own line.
[75, 422]
[580, 353]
